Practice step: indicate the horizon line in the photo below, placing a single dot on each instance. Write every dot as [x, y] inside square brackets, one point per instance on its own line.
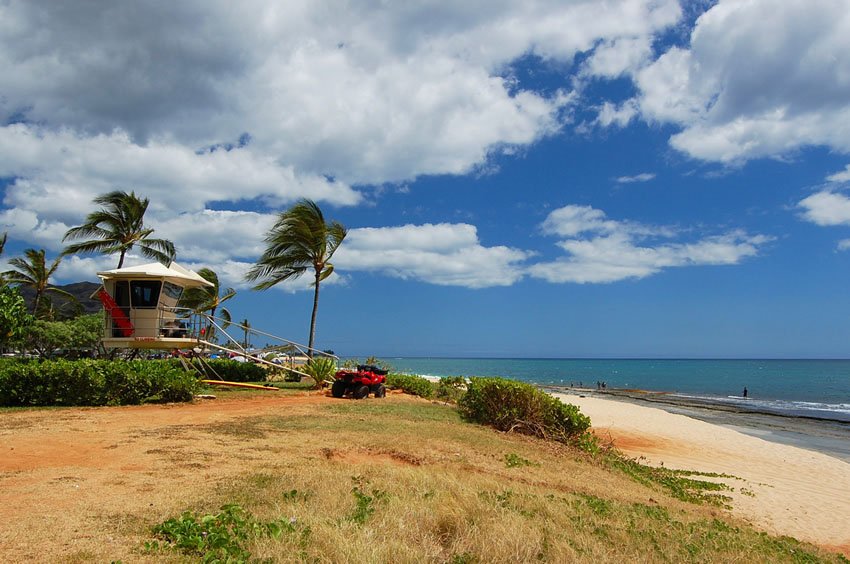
[438, 357]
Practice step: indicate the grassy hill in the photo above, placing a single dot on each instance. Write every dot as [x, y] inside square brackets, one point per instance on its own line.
[406, 480]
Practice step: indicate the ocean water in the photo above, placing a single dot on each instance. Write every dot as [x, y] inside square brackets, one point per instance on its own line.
[810, 388]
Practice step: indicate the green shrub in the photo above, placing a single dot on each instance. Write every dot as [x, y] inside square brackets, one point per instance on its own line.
[414, 385]
[58, 382]
[15, 320]
[451, 388]
[229, 370]
[216, 538]
[291, 375]
[513, 460]
[93, 382]
[509, 405]
[320, 369]
[365, 504]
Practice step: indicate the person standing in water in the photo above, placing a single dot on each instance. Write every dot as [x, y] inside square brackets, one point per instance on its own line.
[745, 392]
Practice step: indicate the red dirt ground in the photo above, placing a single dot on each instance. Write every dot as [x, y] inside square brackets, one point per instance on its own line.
[61, 468]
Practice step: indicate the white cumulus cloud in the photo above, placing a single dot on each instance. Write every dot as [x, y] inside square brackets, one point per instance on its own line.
[367, 93]
[204, 101]
[826, 208]
[840, 176]
[601, 250]
[758, 79]
[216, 236]
[619, 115]
[570, 221]
[443, 254]
[59, 172]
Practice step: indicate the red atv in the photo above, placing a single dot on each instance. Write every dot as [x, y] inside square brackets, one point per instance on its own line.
[360, 383]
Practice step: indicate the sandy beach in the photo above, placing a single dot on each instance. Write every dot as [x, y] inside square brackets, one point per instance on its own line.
[779, 488]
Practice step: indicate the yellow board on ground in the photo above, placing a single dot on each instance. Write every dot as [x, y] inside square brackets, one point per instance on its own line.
[240, 385]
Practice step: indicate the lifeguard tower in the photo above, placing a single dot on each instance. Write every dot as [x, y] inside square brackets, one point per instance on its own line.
[141, 305]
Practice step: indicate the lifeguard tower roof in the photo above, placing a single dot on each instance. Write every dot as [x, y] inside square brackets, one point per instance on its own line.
[173, 273]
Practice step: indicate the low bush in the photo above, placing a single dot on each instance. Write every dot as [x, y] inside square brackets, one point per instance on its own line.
[92, 382]
[365, 504]
[509, 405]
[291, 375]
[320, 369]
[414, 385]
[216, 538]
[230, 370]
[513, 460]
[451, 388]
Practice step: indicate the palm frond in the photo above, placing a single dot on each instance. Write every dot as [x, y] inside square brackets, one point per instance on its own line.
[62, 292]
[117, 227]
[300, 239]
[329, 269]
[209, 275]
[336, 234]
[54, 266]
[226, 319]
[195, 299]
[87, 231]
[94, 246]
[29, 271]
[164, 254]
[16, 278]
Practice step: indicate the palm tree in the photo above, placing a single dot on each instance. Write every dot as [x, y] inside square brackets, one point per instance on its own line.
[298, 241]
[117, 228]
[208, 300]
[33, 272]
[246, 327]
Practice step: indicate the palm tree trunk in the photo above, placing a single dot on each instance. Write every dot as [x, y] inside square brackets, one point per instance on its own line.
[121, 259]
[313, 317]
[35, 302]
[210, 326]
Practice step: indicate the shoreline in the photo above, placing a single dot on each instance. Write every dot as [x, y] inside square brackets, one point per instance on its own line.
[780, 488]
[823, 435]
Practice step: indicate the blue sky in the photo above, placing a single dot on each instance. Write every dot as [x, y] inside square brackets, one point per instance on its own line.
[632, 178]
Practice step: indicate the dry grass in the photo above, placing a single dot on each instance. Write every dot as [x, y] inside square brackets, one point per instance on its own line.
[440, 490]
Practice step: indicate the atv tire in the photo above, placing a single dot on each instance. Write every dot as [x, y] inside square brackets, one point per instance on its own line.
[338, 388]
[379, 390]
[361, 391]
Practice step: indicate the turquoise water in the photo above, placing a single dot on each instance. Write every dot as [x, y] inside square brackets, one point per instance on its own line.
[815, 388]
